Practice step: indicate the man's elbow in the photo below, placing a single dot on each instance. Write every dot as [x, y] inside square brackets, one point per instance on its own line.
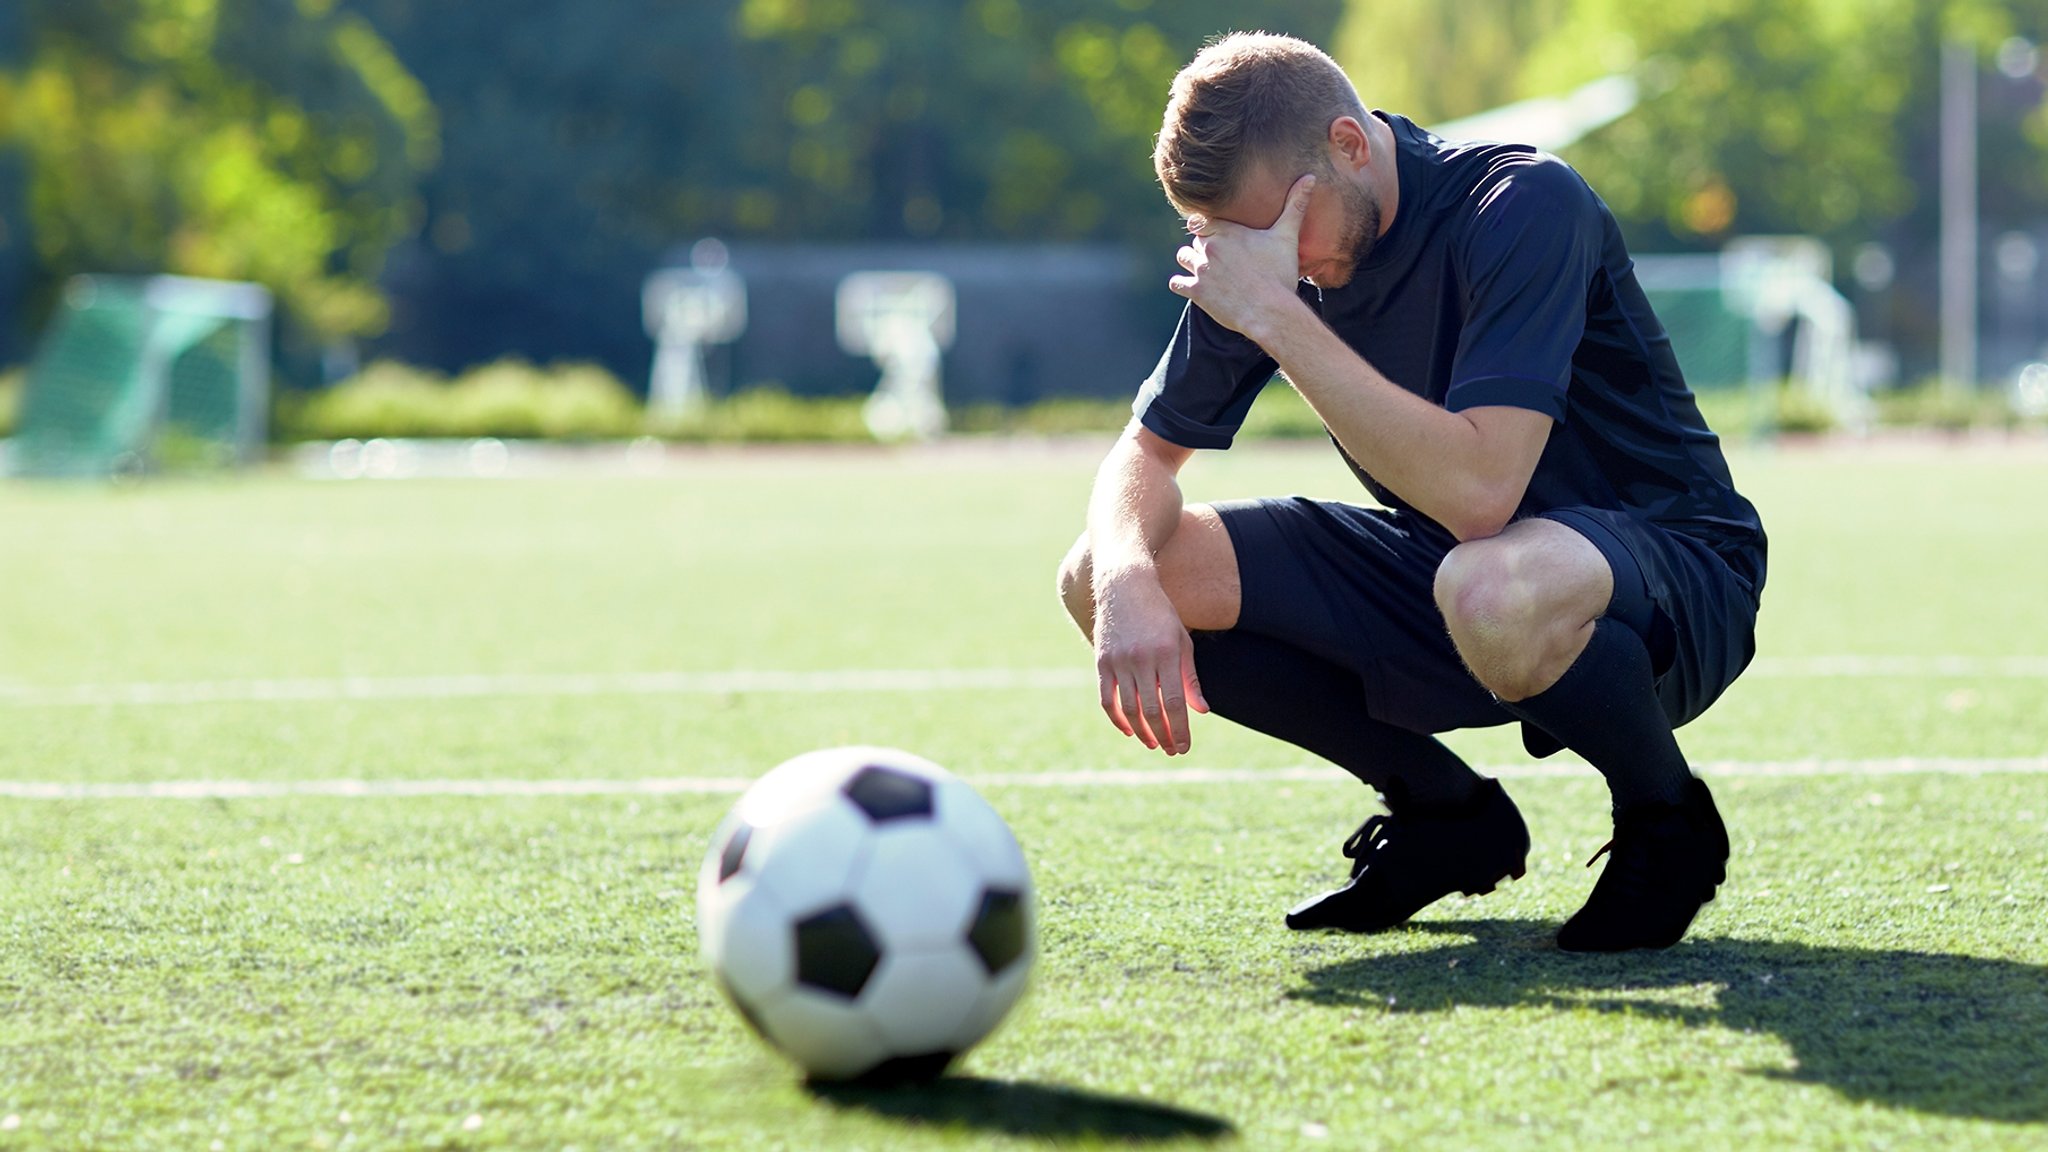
[1476, 528]
[1484, 514]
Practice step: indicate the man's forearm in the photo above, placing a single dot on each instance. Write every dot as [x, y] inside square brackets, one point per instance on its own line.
[1134, 508]
[1441, 462]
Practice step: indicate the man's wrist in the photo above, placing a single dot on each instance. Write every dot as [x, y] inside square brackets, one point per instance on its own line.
[1110, 578]
[1271, 325]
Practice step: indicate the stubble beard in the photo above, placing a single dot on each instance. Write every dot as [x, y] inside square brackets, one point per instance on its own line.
[1361, 232]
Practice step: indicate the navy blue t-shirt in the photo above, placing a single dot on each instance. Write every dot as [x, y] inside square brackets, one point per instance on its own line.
[1503, 280]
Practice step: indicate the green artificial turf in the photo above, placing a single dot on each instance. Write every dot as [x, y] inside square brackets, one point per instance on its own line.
[520, 971]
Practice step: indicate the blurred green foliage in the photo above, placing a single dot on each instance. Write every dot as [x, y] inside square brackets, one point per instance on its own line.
[1928, 404]
[514, 399]
[1799, 411]
[769, 415]
[982, 119]
[10, 399]
[528, 161]
[277, 141]
[1759, 116]
[1061, 416]
[506, 398]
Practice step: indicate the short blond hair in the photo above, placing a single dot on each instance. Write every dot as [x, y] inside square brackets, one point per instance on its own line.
[1248, 99]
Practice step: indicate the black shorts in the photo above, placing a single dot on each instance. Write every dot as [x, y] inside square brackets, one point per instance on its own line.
[1356, 587]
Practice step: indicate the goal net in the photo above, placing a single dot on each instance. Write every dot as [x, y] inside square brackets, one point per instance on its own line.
[138, 374]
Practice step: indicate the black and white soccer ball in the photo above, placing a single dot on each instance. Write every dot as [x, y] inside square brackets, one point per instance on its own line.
[867, 912]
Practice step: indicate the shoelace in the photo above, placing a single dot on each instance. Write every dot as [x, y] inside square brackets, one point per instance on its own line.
[1362, 839]
[1623, 876]
[1605, 848]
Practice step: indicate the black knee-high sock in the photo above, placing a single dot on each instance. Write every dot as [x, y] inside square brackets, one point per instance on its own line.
[1605, 708]
[1271, 686]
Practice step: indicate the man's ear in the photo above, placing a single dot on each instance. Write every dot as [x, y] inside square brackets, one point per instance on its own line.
[1349, 144]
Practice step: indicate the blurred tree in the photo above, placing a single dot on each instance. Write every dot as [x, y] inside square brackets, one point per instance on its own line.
[581, 142]
[1436, 60]
[1759, 116]
[278, 141]
[1819, 117]
[986, 119]
[16, 264]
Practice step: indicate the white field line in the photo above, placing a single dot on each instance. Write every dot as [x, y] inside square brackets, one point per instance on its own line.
[1830, 667]
[544, 685]
[1106, 778]
[371, 688]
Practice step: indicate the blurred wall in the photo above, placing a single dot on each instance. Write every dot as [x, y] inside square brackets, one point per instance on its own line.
[1031, 321]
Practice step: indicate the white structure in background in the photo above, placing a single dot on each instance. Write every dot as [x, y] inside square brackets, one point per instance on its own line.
[687, 310]
[1776, 280]
[1550, 122]
[1959, 216]
[904, 322]
[2030, 390]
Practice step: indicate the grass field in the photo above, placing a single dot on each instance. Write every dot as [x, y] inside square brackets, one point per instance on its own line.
[529, 693]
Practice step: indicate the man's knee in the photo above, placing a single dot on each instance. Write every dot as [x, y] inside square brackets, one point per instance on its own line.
[1484, 591]
[1517, 605]
[1076, 584]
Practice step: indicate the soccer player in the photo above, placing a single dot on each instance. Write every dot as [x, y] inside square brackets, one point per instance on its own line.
[1559, 542]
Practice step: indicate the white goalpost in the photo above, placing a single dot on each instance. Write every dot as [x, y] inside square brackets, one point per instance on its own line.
[687, 310]
[904, 321]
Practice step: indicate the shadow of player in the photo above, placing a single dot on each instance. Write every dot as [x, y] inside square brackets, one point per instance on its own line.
[1954, 1035]
[1026, 1110]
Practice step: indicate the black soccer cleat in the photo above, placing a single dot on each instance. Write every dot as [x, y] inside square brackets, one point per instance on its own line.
[1667, 860]
[1403, 862]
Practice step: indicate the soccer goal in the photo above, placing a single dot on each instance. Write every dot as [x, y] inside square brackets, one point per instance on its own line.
[1761, 311]
[140, 373]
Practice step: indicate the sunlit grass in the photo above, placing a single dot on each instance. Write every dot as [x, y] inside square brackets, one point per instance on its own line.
[521, 971]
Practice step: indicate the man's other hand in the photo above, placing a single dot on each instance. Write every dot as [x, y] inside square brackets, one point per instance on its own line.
[1145, 665]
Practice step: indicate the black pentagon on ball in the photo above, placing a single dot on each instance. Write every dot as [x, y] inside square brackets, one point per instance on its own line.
[999, 930]
[835, 952]
[735, 850]
[887, 794]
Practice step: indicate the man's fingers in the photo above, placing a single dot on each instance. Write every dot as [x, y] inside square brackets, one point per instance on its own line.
[1165, 699]
[1155, 719]
[1141, 697]
[1106, 682]
[1159, 701]
[1297, 196]
[1178, 739]
[1189, 682]
[1127, 693]
[1297, 205]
